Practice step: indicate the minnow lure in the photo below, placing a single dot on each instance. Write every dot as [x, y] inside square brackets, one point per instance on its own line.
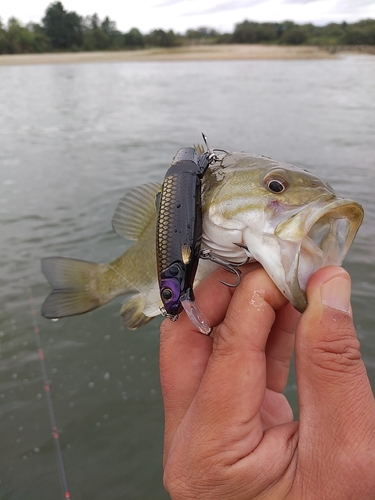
[178, 234]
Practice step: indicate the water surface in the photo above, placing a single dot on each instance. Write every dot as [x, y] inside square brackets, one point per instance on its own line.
[74, 139]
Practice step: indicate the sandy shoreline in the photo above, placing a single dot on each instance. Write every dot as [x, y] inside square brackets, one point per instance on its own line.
[192, 53]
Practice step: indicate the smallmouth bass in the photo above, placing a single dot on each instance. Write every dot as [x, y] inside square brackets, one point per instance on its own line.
[287, 219]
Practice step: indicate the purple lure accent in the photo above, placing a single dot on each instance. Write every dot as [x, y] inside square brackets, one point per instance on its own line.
[170, 295]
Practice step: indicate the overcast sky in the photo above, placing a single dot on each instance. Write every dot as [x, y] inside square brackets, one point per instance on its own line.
[180, 15]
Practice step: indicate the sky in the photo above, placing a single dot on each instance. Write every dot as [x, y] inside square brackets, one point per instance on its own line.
[180, 15]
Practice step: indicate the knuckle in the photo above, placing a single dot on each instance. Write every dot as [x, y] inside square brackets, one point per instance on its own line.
[223, 340]
[185, 481]
[338, 350]
[338, 355]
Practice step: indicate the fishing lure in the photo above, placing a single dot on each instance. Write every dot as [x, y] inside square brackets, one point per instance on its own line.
[178, 234]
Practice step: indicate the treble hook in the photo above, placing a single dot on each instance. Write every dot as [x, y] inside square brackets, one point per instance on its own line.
[172, 317]
[228, 266]
[212, 157]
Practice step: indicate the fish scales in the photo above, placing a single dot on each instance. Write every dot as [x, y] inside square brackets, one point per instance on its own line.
[171, 234]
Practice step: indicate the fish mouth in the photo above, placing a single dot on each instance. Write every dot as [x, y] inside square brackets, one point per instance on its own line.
[316, 237]
[319, 235]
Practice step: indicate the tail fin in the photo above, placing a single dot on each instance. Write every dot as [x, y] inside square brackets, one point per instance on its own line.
[74, 286]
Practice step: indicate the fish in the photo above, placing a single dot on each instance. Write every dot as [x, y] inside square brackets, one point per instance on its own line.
[254, 208]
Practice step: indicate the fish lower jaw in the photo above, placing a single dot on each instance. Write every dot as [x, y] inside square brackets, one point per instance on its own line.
[326, 242]
[311, 259]
[301, 260]
[315, 239]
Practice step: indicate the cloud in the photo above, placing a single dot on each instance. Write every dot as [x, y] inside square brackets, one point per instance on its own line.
[358, 3]
[303, 2]
[221, 7]
[229, 5]
[168, 3]
[362, 8]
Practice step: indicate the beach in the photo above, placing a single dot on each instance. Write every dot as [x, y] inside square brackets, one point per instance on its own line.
[188, 53]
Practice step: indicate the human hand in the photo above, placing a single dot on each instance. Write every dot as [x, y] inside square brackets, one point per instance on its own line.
[229, 430]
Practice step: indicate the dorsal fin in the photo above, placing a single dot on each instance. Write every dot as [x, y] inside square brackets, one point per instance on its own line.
[135, 210]
[200, 148]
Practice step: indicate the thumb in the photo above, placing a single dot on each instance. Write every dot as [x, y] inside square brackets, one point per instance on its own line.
[334, 392]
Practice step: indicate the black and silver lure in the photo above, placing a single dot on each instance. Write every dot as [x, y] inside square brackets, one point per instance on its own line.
[178, 234]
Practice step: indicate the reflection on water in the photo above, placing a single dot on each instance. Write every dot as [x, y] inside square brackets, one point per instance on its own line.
[74, 139]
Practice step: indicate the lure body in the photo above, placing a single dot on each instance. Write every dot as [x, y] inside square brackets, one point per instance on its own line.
[179, 229]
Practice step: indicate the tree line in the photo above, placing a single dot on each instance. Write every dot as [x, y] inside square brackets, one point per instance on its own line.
[62, 30]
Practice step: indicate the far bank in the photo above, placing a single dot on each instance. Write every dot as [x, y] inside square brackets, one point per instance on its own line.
[190, 53]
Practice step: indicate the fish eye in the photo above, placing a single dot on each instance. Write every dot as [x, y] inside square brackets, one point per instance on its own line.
[276, 185]
[167, 294]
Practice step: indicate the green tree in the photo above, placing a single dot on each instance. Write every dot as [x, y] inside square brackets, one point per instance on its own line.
[94, 37]
[114, 36]
[202, 34]
[361, 33]
[18, 39]
[293, 34]
[74, 30]
[134, 39]
[2, 38]
[41, 42]
[101, 35]
[267, 32]
[63, 28]
[108, 26]
[54, 25]
[251, 32]
[161, 38]
[245, 32]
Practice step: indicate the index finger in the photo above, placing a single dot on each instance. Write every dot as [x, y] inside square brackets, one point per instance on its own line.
[224, 388]
[184, 352]
[234, 384]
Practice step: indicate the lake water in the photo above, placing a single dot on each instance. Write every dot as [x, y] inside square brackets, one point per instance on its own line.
[74, 139]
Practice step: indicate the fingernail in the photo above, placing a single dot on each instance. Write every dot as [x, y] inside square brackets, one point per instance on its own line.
[336, 294]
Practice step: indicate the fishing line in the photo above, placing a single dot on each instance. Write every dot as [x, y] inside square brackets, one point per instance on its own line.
[134, 286]
[55, 430]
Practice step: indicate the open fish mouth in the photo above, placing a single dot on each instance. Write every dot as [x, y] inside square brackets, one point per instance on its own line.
[319, 235]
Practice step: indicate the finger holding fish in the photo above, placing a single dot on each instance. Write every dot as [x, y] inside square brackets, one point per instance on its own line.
[184, 352]
[193, 366]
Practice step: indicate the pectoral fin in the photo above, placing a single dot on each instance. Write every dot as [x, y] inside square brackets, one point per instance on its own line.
[132, 312]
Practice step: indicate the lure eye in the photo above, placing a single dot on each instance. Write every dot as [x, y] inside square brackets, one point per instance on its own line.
[276, 185]
[170, 293]
[167, 294]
